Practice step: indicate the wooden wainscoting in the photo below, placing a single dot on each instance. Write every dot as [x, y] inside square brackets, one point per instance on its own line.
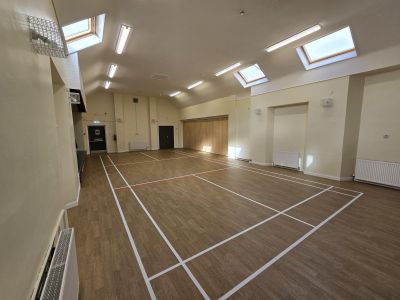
[210, 135]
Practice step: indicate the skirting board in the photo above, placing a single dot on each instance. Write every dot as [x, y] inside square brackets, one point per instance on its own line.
[76, 202]
[329, 176]
[261, 164]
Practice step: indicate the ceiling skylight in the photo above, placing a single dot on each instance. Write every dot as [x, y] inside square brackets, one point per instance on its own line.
[79, 29]
[250, 76]
[84, 33]
[331, 48]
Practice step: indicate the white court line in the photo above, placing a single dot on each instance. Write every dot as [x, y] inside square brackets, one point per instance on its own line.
[251, 200]
[196, 283]
[236, 235]
[172, 178]
[149, 156]
[131, 240]
[149, 161]
[294, 177]
[259, 171]
[284, 252]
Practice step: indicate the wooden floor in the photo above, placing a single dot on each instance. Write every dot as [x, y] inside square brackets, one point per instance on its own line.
[182, 224]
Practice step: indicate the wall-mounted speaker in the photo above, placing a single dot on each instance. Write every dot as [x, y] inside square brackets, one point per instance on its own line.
[327, 102]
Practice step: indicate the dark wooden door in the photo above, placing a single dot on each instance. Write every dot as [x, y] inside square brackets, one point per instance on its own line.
[166, 137]
[97, 138]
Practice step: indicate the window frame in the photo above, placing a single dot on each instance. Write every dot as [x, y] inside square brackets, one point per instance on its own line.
[244, 78]
[247, 84]
[83, 34]
[328, 59]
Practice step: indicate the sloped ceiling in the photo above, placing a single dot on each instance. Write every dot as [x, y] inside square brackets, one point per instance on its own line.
[190, 40]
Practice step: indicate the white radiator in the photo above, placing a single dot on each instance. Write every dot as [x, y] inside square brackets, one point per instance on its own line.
[287, 159]
[62, 280]
[137, 146]
[381, 172]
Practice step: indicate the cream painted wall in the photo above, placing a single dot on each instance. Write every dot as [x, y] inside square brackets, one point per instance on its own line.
[132, 123]
[31, 190]
[325, 126]
[238, 125]
[99, 108]
[352, 126]
[290, 129]
[380, 116]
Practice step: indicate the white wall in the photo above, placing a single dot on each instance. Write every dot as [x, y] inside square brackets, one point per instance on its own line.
[380, 116]
[31, 190]
[237, 110]
[290, 124]
[100, 108]
[132, 123]
[325, 126]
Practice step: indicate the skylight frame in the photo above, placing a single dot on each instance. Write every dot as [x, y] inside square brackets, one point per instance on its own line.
[310, 63]
[251, 83]
[83, 34]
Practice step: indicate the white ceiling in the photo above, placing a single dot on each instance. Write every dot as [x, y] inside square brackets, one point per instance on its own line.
[190, 40]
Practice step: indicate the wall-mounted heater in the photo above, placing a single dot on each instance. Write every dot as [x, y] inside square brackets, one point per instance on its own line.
[287, 159]
[379, 172]
[62, 281]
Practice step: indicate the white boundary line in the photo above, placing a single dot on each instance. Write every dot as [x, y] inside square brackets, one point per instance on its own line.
[259, 171]
[284, 252]
[131, 240]
[196, 283]
[294, 177]
[172, 178]
[251, 200]
[149, 161]
[149, 156]
[237, 235]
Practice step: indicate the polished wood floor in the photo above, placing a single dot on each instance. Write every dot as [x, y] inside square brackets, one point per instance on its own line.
[205, 226]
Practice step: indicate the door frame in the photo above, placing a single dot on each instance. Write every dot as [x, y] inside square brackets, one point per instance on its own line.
[158, 135]
[105, 136]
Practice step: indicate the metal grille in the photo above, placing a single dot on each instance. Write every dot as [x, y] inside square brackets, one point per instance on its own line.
[46, 37]
[55, 277]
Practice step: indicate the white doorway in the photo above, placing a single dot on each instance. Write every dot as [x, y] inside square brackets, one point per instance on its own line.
[289, 137]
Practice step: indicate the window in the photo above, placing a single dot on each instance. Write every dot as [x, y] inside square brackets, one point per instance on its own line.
[329, 49]
[79, 29]
[84, 33]
[250, 76]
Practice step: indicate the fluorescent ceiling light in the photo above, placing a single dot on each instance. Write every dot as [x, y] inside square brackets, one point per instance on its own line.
[195, 84]
[112, 70]
[175, 94]
[294, 38]
[107, 85]
[227, 69]
[122, 38]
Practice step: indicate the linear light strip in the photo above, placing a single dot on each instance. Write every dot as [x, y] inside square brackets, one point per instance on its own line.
[175, 94]
[294, 38]
[111, 71]
[122, 38]
[107, 85]
[195, 84]
[227, 69]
